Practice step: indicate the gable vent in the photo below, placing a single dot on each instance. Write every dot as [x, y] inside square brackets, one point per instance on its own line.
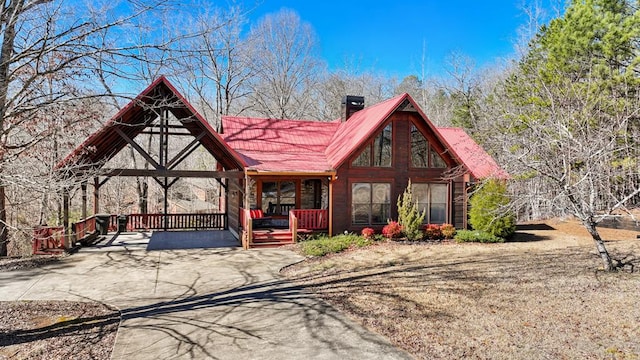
[407, 106]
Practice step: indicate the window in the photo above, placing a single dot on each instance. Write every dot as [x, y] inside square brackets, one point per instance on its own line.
[278, 197]
[433, 199]
[379, 153]
[370, 203]
[364, 159]
[422, 154]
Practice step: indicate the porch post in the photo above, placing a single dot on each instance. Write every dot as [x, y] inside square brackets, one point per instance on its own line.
[166, 204]
[65, 218]
[331, 205]
[96, 195]
[465, 200]
[83, 186]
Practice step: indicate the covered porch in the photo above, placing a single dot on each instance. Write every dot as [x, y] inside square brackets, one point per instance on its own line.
[279, 209]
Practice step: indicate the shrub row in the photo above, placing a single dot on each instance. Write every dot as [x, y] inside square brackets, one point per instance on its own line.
[394, 230]
[329, 245]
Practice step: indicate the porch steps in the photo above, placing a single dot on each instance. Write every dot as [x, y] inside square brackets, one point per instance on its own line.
[271, 238]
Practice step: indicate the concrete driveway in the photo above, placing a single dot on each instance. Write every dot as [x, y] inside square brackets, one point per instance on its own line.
[224, 303]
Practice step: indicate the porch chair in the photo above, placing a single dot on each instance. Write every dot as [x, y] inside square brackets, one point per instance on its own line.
[258, 218]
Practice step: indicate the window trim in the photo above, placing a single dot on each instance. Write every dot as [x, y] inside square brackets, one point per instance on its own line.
[448, 203]
[430, 150]
[387, 181]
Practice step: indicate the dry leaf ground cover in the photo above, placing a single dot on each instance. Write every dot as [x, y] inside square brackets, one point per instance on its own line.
[54, 329]
[541, 297]
[57, 330]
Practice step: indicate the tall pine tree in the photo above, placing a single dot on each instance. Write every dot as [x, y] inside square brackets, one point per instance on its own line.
[574, 110]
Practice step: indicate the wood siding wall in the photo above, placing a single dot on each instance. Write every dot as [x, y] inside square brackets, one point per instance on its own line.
[397, 175]
[234, 197]
[458, 214]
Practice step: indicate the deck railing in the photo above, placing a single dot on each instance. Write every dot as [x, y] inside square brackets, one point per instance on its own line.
[137, 222]
[48, 238]
[176, 221]
[85, 227]
[312, 219]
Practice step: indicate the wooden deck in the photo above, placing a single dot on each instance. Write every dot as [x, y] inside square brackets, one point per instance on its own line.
[48, 240]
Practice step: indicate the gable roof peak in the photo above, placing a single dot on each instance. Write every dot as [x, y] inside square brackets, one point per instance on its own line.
[129, 121]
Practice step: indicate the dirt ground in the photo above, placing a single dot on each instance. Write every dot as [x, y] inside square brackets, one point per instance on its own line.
[57, 330]
[54, 329]
[540, 296]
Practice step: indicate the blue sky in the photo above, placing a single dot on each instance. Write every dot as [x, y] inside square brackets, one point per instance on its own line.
[388, 36]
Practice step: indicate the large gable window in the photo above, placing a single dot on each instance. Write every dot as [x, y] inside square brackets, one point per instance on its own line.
[377, 154]
[432, 198]
[422, 154]
[370, 203]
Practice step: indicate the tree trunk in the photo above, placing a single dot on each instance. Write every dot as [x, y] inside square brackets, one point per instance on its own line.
[3, 224]
[143, 195]
[602, 250]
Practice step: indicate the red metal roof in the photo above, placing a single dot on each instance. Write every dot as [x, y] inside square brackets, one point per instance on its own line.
[358, 128]
[280, 145]
[313, 146]
[480, 164]
[105, 143]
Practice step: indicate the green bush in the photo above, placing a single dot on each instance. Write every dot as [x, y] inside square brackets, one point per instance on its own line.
[328, 245]
[490, 209]
[409, 217]
[476, 236]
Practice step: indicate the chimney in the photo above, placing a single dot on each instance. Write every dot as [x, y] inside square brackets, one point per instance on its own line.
[351, 104]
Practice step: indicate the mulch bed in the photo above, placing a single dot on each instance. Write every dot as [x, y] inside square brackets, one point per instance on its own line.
[54, 329]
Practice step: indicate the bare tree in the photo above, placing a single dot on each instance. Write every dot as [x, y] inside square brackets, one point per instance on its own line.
[214, 63]
[332, 87]
[49, 45]
[570, 113]
[284, 63]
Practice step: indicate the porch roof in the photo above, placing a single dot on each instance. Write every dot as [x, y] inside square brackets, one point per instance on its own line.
[272, 145]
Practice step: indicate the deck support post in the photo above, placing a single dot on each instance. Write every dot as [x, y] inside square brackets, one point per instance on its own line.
[83, 186]
[247, 205]
[65, 218]
[331, 179]
[96, 195]
[165, 187]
